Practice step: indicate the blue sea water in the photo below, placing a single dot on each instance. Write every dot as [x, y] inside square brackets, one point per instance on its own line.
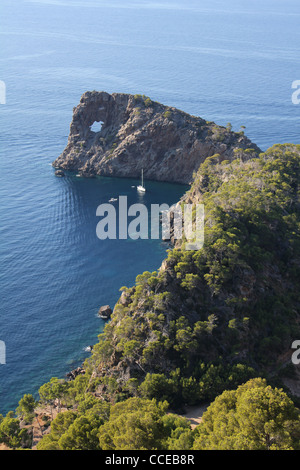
[226, 61]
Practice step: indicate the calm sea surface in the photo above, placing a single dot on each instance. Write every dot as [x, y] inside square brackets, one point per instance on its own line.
[226, 61]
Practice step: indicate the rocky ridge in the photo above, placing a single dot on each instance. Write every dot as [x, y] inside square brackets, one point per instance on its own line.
[137, 133]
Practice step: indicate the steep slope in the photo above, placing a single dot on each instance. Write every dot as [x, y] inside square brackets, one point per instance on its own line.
[210, 319]
[207, 321]
[138, 133]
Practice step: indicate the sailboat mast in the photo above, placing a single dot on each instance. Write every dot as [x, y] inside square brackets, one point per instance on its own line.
[141, 186]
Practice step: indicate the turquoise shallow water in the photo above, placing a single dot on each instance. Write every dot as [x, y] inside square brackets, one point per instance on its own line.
[230, 61]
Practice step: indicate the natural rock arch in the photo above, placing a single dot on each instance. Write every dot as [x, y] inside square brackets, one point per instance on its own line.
[138, 133]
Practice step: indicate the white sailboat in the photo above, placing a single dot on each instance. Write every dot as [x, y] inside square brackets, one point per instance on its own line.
[141, 187]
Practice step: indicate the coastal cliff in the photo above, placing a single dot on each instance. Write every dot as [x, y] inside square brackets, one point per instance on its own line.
[138, 133]
[227, 312]
[206, 327]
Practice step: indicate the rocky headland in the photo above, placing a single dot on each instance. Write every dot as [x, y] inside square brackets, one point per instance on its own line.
[137, 133]
[208, 321]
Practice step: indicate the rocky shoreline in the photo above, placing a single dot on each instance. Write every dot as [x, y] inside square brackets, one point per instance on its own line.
[105, 313]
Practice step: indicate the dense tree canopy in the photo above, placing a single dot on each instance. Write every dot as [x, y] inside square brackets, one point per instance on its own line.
[253, 417]
[215, 317]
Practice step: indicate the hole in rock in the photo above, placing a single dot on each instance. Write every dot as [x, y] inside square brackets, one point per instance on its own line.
[96, 127]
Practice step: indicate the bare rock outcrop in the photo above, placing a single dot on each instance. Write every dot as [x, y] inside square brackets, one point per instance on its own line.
[137, 133]
[105, 312]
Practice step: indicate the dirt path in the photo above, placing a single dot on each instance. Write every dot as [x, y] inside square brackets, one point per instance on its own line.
[4, 447]
[194, 414]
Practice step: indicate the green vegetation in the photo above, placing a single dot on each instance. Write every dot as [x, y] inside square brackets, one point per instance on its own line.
[212, 326]
[133, 424]
[25, 410]
[143, 99]
[148, 102]
[78, 430]
[141, 424]
[218, 133]
[11, 433]
[216, 307]
[253, 417]
[167, 114]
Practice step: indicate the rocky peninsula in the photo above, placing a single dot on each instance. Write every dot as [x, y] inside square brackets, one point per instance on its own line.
[137, 133]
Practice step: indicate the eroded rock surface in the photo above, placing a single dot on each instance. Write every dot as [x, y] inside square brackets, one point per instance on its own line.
[137, 133]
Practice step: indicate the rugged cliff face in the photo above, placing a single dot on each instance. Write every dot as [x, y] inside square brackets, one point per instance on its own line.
[137, 133]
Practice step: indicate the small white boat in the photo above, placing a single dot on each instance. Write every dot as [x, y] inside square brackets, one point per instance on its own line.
[113, 199]
[141, 187]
